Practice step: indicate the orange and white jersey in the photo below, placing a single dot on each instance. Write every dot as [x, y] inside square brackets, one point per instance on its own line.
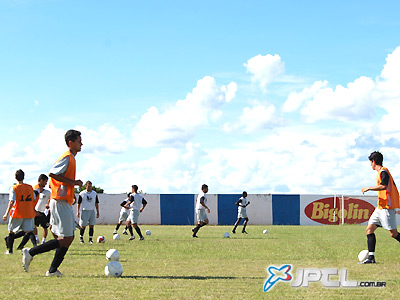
[23, 197]
[388, 198]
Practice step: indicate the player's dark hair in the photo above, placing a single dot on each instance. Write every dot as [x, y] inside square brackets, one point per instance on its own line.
[71, 135]
[88, 182]
[204, 186]
[135, 188]
[19, 175]
[377, 157]
[43, 177]
[244, 194]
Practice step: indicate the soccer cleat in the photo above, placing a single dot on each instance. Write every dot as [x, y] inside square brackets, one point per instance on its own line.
[54, 274]
[26, 259]
[81, 240]
[368, 261]
[90, 241]
[115, 232]
[8, 252]
[194, 236]
[141, 238]
[244, 231]
[233, 231]
[125, 232]
[132, 238]
[6, 240]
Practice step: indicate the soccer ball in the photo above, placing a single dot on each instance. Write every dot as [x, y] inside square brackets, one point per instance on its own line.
[265, 231]
[148, 232]
[112, 255]
[363, 255]
[113, 269]
[227, 235]
[101, 239]
[116, 236]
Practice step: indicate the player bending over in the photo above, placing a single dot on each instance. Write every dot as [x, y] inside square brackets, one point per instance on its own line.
[136, 203]
[123, 216]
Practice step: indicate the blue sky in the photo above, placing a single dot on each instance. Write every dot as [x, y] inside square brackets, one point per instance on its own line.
[264, 96]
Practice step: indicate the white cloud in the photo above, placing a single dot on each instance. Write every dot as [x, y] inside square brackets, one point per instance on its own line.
[177, 124]
[265, 69]
[256, 118]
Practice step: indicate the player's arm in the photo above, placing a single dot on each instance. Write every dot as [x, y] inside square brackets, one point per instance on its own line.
[238, 202]
[62, 178]
[10, 203]
[203, 204]
[380, 187]
[144, 203]
[247, 204]
[79, 205]
[97, 206]
[128, 202]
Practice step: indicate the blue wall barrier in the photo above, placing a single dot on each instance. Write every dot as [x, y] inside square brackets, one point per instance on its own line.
[227, 210]
[177, 209]
[286, 209]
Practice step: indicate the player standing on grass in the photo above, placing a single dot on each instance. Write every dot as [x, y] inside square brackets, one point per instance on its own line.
[242, 203]
[22, 206]
[42, 208]
[123, 216]
[385, 212]
[201, 207]
[62, 183]
[136, 203]
[89, 200]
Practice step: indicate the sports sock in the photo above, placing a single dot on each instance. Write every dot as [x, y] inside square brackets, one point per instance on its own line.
[82, 232]
[138, 231]
[58, 259]
[117, 227]
[244, 225]
[25, 239]
[10, 241]
[19, 234]
[398, 237]
[130, 230]
[371, 241]
[46, 247]
[91, 231]
[33, 239]
[196, 229]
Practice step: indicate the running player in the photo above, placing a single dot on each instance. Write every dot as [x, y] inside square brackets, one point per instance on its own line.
[62, 183]
[136, 203]
[201, 207]
[242, 203]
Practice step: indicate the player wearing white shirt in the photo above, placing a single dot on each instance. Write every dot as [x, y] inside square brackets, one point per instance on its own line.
[123, 216]
[88, 201]
[242, 203]
[201, 207]
[42, 208]
[136, 204]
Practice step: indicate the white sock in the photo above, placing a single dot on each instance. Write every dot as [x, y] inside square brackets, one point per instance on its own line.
[371, 253]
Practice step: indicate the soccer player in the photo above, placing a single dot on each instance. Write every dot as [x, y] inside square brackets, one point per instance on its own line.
[62, 183]
[201, 207]
[388, 200]
[123, 216]
[242, 203]
[136, 203]
[88, 200]
[42, 217]
[22, 206]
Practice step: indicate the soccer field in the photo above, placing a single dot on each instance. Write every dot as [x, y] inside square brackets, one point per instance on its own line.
[170, 264]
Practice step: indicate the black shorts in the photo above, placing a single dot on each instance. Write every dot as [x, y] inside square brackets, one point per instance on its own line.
[42, 220]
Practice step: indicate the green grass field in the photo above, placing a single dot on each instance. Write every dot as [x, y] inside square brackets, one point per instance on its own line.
[170, 264]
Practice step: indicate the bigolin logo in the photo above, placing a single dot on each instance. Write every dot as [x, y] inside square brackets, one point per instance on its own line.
[305, 276]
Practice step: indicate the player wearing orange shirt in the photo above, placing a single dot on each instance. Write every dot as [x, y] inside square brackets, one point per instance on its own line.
[62, 220]
[385, 212]
[21, 208]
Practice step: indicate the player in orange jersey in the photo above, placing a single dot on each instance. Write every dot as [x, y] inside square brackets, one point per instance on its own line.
[385, 212]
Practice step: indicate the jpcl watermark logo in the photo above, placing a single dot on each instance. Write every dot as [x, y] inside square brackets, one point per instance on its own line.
[306, 276]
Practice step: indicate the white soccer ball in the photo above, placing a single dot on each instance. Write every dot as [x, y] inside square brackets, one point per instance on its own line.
[227, 235]
[113, 269]
[116, 236]
[148, 232]
[265, 231]
[112, 255]
[363, 255]
[101, 239]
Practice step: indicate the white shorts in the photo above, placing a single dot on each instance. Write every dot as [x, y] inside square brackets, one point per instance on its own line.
[242, 214]
[123, 216]
[385, 218]
[26, 225]
[201, 215]
[134, 216]
[88, 217]
[62, 218]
